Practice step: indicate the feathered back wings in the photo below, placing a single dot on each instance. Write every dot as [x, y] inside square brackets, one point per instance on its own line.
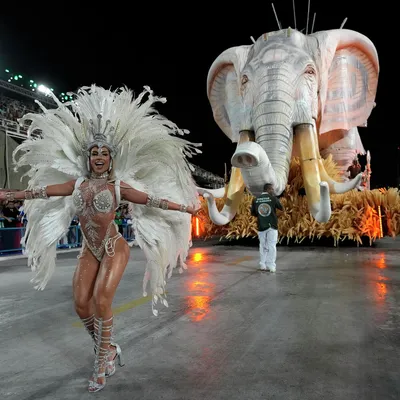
[151, 155]
[154, 159]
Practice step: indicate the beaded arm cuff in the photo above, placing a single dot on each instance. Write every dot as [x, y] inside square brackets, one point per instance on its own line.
[36, 193]
[153, 201]
[10, 196]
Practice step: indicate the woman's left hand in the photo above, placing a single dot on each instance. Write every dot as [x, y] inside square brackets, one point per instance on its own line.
[193, 211]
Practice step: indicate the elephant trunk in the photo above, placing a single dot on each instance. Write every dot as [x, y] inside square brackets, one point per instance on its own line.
[273, 139]
[274, 135]
[317, 192]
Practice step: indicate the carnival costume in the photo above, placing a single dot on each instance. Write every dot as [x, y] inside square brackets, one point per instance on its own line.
[146, 154]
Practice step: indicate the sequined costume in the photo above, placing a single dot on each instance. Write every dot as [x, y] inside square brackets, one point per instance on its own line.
[95, 203]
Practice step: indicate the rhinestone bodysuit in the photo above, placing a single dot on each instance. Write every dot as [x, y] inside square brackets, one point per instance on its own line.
[95, 205]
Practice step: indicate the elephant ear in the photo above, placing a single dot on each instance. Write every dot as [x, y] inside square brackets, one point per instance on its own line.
[349, 79]
[223, 89]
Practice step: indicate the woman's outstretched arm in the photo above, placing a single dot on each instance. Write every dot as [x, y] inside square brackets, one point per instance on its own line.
[136, 196]
[63, 189]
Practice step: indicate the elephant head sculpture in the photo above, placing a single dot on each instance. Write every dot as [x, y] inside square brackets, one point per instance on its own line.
[290, 94]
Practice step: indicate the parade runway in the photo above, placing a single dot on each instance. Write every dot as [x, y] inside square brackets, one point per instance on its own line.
[326, 326]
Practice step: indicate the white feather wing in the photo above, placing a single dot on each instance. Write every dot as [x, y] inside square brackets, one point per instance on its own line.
[54, 158]
[153, 159]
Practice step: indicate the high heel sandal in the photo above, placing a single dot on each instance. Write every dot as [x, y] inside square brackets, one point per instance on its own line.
[110, 367]
[110, 364]
[102, 333]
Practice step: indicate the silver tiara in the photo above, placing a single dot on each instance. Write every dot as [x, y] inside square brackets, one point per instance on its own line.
[99, 136]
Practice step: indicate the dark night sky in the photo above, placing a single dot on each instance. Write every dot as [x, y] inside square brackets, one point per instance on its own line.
[67, 47]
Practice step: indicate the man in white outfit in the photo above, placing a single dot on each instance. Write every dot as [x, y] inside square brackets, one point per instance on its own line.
[264, 208]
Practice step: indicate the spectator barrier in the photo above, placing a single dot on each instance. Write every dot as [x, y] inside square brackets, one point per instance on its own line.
[10, 238]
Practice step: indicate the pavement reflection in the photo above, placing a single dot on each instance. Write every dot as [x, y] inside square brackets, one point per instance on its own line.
[200, 287]
[381, 289]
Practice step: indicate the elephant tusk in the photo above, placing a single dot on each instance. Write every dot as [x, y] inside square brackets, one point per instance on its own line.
[338, 187]
[216, 193]
[235, 189]
[233, 193]
[334, 187]
[317, 192]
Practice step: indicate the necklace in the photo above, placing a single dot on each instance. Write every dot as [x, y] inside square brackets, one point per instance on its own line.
[104, 175]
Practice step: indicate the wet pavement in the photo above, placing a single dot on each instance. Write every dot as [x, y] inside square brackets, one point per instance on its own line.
[325, 325]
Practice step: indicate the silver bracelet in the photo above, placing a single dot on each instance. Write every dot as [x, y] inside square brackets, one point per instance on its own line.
[10, 196]
[183, 208]
[153, 201]
[39, 193]
[164, 204]
[28, 194]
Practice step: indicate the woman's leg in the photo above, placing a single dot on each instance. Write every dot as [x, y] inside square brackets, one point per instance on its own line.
[110, 273]
[83, 286]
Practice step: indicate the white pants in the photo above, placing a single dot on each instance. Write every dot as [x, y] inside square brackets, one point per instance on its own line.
[268, 240]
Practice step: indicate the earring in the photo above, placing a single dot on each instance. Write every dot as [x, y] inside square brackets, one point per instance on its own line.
[110, 167]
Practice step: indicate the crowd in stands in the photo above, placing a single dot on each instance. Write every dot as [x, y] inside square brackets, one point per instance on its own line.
[12, 109]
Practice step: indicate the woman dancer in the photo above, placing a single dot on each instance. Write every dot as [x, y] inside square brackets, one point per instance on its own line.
[142, 144]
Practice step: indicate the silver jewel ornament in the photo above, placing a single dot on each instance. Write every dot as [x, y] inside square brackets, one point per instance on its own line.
[99, 137]
[103, 201]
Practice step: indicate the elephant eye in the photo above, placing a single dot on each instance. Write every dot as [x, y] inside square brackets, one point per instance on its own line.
[245, 79]
[310, 71]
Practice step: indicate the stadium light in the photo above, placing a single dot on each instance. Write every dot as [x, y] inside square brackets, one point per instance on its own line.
[44, 89]
[21, 80]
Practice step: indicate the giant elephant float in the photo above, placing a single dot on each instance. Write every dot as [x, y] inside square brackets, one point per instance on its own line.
[290, 94]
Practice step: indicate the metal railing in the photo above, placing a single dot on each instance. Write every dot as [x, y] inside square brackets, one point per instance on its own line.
[10, 238]
[13, 129]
